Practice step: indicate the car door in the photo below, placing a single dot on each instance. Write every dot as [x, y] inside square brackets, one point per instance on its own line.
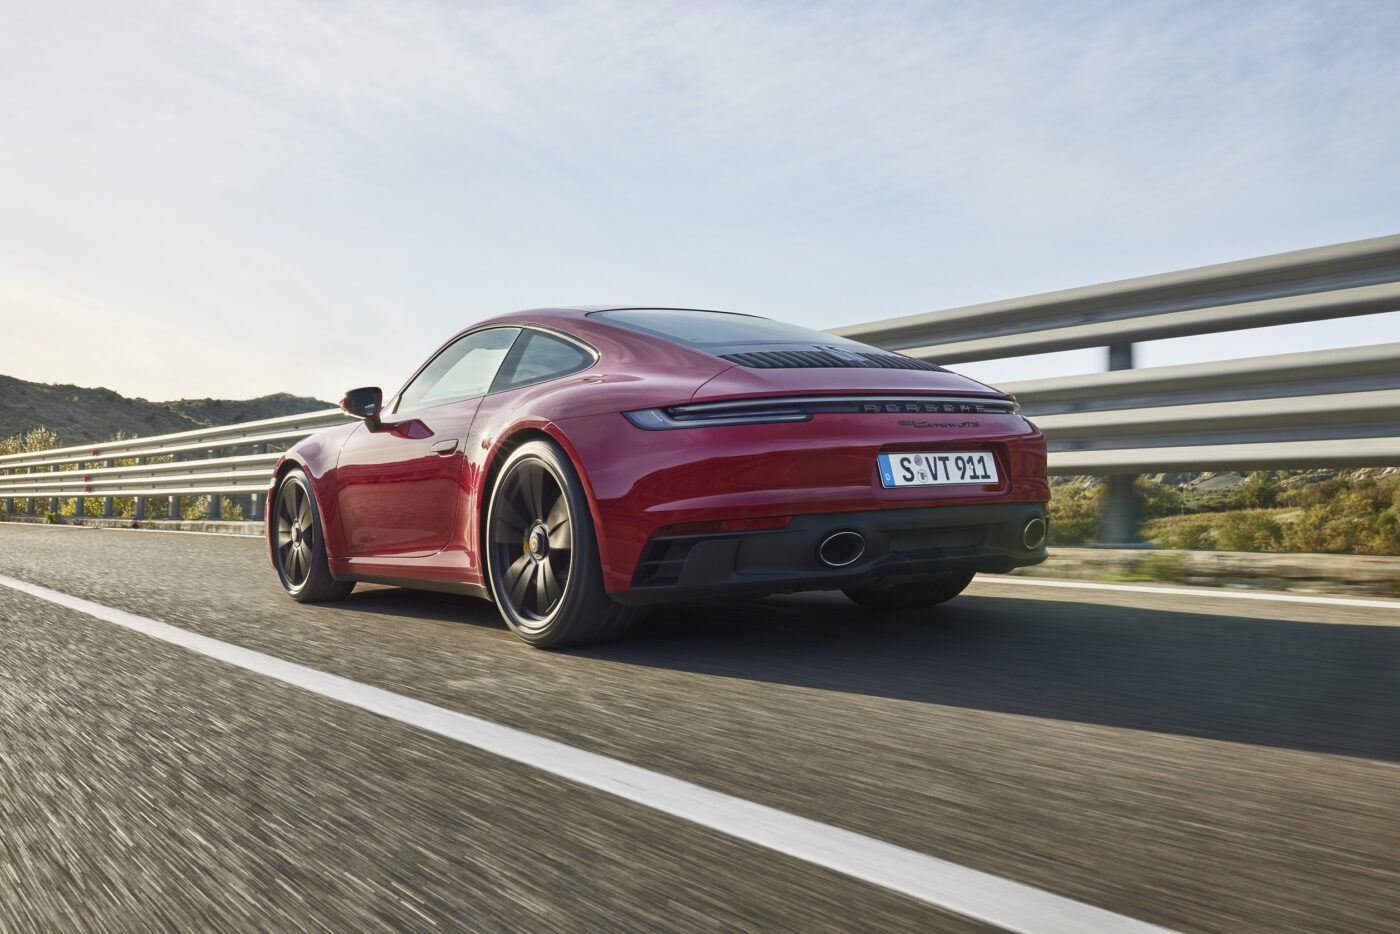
[400, 487]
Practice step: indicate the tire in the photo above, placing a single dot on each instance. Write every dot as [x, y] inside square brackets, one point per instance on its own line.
[299, 544]
[542, 553]
[910, 595]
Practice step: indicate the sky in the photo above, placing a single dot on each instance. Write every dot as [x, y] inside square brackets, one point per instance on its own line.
[231, 199]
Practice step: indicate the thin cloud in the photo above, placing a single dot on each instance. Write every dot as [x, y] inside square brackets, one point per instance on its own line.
[239, 176]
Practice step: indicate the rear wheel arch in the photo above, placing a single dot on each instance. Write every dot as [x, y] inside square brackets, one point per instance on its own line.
[540, 555]
[545, 431]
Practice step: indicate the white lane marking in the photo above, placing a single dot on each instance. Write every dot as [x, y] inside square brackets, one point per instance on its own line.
[1010, 905]
[1194, 592]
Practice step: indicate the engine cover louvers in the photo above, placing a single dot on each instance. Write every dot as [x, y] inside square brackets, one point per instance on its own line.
[806, 359]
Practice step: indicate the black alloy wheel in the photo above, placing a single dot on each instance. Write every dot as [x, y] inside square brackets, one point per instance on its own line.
[298, 545]
[531, 530]
[541, 554]
[296, 533]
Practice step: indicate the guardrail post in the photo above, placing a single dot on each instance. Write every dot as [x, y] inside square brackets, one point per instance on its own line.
[138, 508]
[28, 500]
[1120, 356]
[78, 504]
[1119, 522]
[257, 512]
[9, 503]
[216, 500]
[107, 512]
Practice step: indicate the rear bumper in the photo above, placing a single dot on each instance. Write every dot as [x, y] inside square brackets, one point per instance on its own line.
[899, 544]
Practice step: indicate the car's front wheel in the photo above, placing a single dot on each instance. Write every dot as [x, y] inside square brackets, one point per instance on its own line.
[542, 554]
[912, 594]
[299, 543]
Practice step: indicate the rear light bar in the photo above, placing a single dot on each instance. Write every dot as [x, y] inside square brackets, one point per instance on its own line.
[801, 409]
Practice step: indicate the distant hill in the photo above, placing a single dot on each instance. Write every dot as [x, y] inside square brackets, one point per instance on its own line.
[79, 415]
[229, 411]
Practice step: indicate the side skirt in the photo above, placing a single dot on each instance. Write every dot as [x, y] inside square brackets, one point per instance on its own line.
[418, 583]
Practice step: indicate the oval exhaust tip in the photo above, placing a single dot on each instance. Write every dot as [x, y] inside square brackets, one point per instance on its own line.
[840, 549]
[1033, 535]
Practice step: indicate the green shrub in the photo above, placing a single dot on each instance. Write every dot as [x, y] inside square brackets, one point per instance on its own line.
[1074, 513]
[1156, 499]
[1193, 534]
[1359, 517]
[1076, 510]
[1248, 531]
[1261, 490]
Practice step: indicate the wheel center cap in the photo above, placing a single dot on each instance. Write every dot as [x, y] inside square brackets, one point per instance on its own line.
[538, 542]
[296, 534]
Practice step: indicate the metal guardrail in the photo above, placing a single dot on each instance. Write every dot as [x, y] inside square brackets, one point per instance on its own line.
[1357, 278]
[1329, 408]
[214, 462]
[1337, 408]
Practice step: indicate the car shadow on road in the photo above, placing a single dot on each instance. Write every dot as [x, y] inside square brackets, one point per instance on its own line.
[423, 605]
[1317, 687]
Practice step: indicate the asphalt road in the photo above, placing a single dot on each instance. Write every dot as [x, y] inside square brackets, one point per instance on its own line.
[1199, 763]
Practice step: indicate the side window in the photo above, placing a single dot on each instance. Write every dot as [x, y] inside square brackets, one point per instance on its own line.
[464, 370]
[539, 356]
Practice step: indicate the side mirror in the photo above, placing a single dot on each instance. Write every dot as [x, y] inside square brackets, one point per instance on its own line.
[366, 403]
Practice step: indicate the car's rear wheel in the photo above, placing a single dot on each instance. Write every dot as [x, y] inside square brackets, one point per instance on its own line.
[542, 553]
[299, 544]
[910, 595]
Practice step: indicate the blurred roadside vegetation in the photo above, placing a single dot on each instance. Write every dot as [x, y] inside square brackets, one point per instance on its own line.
[1287, 511]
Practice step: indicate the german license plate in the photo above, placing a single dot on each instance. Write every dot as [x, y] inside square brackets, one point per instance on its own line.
[951, 468]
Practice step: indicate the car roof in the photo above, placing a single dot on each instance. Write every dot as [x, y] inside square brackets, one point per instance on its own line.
[577, 310]
[562, 313]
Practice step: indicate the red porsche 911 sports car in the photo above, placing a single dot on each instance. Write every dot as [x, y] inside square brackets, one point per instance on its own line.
[576, 464]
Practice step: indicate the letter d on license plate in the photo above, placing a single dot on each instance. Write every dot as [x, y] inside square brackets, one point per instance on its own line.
[946, 468]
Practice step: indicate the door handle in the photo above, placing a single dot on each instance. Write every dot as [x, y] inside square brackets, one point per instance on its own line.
[445, 447]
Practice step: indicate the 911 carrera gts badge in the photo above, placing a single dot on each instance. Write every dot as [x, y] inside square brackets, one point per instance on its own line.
[920, 423]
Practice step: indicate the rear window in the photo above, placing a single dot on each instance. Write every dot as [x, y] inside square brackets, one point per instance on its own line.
[710, 329]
